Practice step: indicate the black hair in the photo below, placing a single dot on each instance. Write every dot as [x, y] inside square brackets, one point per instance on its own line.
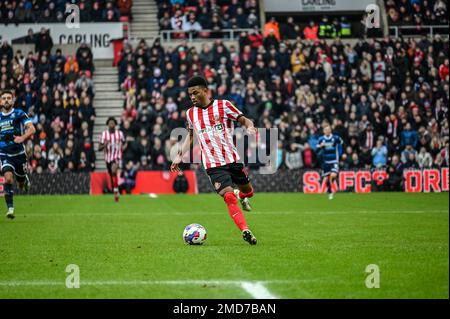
[111, 118]
[197, 81]
[7, 92]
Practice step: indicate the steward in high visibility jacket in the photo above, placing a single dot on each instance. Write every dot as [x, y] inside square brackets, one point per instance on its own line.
[311, 31]
[327, 29]
[323, 27]
[346, 28]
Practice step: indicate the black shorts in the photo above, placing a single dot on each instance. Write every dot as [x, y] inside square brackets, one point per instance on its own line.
[109, 165]
[227, 175]
[16, 164]
[327, 169]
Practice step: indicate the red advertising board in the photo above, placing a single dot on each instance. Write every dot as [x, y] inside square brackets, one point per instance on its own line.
[427, 180]
[158, 182]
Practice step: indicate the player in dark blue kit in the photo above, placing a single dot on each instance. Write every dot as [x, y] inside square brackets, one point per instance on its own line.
[330, 146]
[15, 129]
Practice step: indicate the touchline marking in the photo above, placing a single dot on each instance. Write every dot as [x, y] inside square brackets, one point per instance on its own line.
[141, 282]
[149, 214]
[257, 290]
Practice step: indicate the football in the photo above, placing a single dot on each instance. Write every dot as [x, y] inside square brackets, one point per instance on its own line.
[194, 234]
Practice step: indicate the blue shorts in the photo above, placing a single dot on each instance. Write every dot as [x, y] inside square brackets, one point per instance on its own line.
[327, 169]
[16, 164]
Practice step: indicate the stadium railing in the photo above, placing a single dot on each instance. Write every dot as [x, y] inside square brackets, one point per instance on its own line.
[229, 34]
[413, 31]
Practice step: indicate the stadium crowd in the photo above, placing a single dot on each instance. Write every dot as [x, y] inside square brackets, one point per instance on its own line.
[57, 92]
[198, 15]
[417, 12]
[44, 11]
[387, 99]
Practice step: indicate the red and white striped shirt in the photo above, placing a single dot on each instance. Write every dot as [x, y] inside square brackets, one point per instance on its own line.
[214, 127]
[113, 145]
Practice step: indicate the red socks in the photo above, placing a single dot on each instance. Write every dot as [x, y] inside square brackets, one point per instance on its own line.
[115, 183]
[235, 211]
[245, 195]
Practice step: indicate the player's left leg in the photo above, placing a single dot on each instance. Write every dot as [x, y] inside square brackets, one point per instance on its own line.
[21, 173]
[220, 178]
[235, 212]
[244, 192]
[240, 177]
[331, 178]
[8, 190]
[115, 180]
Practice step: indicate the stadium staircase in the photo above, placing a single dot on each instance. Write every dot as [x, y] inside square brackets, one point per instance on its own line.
[144, 24]
[108, 101]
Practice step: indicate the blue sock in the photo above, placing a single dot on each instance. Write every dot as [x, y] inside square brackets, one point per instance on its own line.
[9, 193]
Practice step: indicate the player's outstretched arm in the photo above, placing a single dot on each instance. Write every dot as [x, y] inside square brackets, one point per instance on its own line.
[29, 131]
[248, 124]
[187, 144]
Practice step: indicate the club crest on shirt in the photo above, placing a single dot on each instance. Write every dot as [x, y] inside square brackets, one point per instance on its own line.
[216, 118]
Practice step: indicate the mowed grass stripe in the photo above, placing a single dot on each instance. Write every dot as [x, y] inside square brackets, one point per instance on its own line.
[149, 214]
[320, 248]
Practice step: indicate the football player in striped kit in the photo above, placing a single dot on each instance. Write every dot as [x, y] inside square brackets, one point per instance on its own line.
[111, 142]
[213, 123]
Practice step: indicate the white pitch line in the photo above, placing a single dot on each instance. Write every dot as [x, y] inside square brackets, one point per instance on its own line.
[257, 290]
[140, 282]
[88, 214]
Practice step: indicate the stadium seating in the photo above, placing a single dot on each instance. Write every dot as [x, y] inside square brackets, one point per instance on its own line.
[197, 16]
[27, 11]
[386, 98]
[382, 96]
[417, 12]
[57, 92]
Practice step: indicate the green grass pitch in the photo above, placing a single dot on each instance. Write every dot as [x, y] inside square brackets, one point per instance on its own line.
[309, 247]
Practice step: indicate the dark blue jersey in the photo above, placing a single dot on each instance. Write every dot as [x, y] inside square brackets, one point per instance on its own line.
[12, 124]
[330, 153]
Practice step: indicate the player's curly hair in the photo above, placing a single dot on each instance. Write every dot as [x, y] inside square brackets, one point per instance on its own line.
[197, 81]
[111, 118]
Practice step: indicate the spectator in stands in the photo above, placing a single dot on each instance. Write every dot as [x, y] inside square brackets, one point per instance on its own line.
[6, 51]
[424, 158]
[165, 21]
[129, 175]
[178, 21]
[287, 30]
[395, 175]
[298, 94]
[444, 70]
[409, 136]
[379, 154]
[110, 13]
[406, 154]
[294, 159]
[125, 7]
[44, 41]
[311, 31]
[272, 28]
[84, 58]
[191, 25]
